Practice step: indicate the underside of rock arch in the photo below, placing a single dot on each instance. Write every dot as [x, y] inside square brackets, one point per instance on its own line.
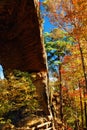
[21, 46]
[20, 42]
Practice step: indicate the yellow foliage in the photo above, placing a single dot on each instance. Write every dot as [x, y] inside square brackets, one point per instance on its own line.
[17, 91]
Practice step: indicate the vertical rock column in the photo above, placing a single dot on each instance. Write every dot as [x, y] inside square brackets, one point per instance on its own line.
[41, 82]
[42, 91]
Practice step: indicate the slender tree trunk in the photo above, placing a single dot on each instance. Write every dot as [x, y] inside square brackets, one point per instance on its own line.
[61, 100]
[81, 106]
[85, 89]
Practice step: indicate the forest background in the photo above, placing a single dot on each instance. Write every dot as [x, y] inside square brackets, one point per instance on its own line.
[65, 38]
[66, 46]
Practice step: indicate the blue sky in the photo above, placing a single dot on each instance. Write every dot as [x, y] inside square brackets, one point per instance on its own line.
[47, 26]
[1, 73]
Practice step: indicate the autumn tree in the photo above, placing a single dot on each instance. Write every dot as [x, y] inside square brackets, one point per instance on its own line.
[72, 73]
[70, 15]
[55, 43]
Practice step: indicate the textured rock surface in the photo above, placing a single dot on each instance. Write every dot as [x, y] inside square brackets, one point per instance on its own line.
[21, 46]
[20, 43]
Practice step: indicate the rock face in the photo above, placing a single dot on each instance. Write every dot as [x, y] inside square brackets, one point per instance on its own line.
[20, 42]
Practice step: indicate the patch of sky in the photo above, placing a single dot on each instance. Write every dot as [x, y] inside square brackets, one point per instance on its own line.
[47, 26]
[1, 72]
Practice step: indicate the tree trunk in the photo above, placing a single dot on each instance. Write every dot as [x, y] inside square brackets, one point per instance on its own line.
[85, 89]
[61, 100]
[81, 106]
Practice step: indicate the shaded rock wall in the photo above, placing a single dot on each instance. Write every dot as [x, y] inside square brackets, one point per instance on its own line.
[21, 46]
[20, 42]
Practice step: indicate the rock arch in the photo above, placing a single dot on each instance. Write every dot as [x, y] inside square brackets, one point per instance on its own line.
[21, 46]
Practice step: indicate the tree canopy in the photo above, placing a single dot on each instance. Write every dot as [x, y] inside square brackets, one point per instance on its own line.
[66, 46]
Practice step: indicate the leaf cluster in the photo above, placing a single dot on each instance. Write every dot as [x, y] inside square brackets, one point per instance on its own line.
[16, 91]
